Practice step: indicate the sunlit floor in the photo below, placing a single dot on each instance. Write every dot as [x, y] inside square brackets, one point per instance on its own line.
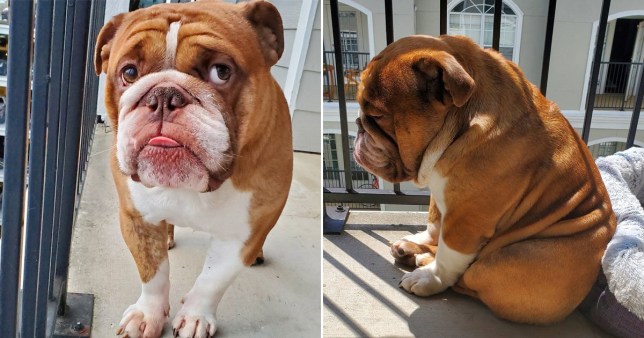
[278, 299]
[362, 297]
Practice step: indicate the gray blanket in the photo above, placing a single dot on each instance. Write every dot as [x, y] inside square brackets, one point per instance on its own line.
[616, 302]
[623, 262]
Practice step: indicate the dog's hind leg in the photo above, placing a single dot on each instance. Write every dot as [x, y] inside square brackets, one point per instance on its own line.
[536, 281]
[419, 249]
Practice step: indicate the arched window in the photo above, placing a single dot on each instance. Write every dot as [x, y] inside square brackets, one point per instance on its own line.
[475, 19]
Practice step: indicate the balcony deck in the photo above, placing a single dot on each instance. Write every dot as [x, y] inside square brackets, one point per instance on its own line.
[260, 302]
[362, 298]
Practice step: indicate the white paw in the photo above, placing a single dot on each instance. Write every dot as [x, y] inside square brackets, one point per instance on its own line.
[143, 320]
[422, 282]
[194, 321]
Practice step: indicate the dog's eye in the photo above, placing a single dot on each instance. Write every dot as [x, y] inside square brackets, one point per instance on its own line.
[220, 74]
[129, 74]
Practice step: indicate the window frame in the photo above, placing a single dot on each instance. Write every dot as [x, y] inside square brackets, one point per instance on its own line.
[507, 3]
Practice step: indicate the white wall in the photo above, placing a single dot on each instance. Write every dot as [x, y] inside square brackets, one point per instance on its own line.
[299, 70]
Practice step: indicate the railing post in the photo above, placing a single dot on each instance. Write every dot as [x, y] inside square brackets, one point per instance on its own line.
[592, 88]
[443, 17]
[496, 30]
[18, 95]
[547, 48]
[34, 225]
[342, 105]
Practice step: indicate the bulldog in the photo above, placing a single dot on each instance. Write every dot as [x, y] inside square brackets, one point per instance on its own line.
[202, 140]
[518, 215]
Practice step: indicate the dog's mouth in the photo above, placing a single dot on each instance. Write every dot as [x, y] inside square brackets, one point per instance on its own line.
[165, 161]
[379, 155]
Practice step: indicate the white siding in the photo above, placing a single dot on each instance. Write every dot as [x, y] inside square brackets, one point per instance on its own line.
[307, 115]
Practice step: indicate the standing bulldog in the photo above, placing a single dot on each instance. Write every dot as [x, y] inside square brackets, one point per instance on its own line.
[518, 216]
[202, 139]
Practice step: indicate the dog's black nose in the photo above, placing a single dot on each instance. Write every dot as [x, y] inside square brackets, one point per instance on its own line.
[164, 100]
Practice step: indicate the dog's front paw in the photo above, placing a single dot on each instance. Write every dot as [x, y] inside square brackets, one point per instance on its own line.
[143, 320]
[422, 282]
[411, 254]
[194, 321]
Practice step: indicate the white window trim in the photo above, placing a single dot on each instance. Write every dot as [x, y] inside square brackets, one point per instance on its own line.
[299, 52]
[517, 36]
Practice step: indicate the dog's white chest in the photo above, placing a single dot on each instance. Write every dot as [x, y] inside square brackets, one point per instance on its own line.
[224, 212]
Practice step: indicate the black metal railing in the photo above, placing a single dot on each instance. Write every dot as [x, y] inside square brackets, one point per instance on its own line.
[353, 194]
[51, 107]
[353, 63]
[617, 85]
[333, 178]
[362, 179]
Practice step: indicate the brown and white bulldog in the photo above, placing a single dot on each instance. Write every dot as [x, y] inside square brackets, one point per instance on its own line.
[202, 140]
[518, 216]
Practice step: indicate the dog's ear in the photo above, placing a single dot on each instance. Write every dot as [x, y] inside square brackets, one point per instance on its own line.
[104, 43]
[457, 83]
[268, 25]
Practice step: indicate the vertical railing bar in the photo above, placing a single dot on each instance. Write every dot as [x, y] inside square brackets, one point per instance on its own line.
[60, 146]
[389, 21]
[37, 145]
[51, 158]
[496, 30]
[547, 48]
[18, 93]
[623, 77]
[443, 17]
[72, 139]
[635, 118]
[87, 104]
[592, 88]
[342, 104]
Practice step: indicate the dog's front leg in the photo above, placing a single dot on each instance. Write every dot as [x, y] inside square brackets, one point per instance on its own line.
[197, 315]
[148, 245]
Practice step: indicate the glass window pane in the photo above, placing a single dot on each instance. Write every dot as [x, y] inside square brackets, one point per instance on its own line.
[489, 27]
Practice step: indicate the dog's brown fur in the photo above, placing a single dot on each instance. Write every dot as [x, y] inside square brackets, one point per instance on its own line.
[522, 189]
[261, 122]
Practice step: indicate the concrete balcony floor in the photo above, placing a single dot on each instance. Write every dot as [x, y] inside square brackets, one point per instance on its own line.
[278, 299]
[362, 298]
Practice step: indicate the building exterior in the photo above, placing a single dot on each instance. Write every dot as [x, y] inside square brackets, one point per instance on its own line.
[523, 28]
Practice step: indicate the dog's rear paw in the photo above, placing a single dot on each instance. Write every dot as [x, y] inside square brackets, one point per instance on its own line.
[411, 254]
[141, 322]
[197, 326]
[422, 282]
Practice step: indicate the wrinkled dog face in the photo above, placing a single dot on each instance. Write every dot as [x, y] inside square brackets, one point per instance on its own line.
[176, 80]
[405, 94]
